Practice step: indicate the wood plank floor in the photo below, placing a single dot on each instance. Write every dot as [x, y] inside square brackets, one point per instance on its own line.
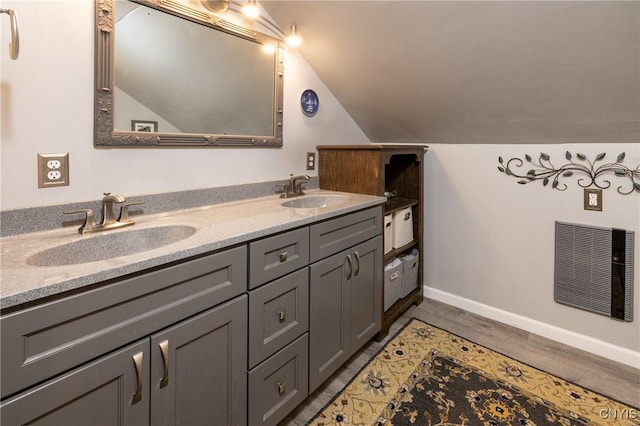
[609, 378]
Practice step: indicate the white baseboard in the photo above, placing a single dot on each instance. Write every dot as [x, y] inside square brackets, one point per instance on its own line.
[580, 341]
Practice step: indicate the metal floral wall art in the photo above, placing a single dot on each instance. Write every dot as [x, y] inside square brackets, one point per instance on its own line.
[543, 169]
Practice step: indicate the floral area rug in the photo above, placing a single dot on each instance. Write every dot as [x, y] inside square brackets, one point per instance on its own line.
[428, 376]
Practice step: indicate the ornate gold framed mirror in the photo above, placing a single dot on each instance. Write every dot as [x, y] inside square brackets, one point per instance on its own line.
[197, 79]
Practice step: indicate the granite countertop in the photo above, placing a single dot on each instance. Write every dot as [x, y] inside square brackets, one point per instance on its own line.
[217, 226]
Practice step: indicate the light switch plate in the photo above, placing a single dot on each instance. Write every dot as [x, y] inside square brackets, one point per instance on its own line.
[53, 170]
[593, 199]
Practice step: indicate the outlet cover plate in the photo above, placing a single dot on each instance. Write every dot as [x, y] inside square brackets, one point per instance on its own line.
[593, 199]
[53, 170]
[311, 160]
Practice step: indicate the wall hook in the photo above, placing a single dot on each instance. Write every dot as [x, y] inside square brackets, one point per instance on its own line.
[14, 45]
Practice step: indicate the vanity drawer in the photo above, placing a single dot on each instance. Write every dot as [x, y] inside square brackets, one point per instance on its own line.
[279, 384]
[40, 342]
[338, 234]
[276, 256]
[278, 313]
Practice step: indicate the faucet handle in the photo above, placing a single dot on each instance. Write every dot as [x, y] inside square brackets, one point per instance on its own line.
[285, 190]
[299, 188]
[124, 212]
[89, 221]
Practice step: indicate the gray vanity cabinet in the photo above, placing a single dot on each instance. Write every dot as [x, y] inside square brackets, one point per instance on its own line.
[64, 357]
[187, 374]
[40, 342]
[198, 369]
[98, 393]
[345, 293]
[234, 337]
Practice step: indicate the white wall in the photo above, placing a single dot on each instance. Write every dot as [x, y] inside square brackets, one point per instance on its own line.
[489, 242]
[47, 107]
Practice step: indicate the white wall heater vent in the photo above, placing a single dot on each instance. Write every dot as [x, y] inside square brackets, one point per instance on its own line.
[594, 269]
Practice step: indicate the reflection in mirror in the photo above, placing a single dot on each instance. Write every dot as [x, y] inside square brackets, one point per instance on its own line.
[175, 75]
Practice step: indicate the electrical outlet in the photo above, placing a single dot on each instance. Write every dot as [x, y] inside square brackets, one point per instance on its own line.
[311, 160]
[593, 199]
[53, 170]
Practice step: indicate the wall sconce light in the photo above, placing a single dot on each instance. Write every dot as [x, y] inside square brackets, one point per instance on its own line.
[293, 39]
[250, 9]
[216, 6]
[269, 48]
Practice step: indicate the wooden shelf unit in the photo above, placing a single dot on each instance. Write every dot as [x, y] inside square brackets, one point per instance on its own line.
[376, 169]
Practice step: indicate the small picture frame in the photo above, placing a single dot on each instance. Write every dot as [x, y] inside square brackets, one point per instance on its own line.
[144, 126]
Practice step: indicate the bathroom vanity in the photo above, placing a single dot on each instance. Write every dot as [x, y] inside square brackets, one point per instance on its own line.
[235, 324]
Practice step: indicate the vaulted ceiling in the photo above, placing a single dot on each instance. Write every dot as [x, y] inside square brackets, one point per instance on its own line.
[477, 71]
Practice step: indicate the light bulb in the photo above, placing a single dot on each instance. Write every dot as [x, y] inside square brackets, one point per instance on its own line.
[293, 39]
[251, 10]
[269, 48]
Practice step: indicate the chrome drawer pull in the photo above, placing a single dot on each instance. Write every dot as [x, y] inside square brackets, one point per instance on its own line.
[283, 256]
[282, 315]
[350, 262]
[357, 257]
[282, 388]
[137, 362]
[164, 350]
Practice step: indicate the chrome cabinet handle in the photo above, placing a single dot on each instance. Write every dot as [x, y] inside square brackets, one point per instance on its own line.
[282, 388]
[164, 350]
[283, 256]
[282, 315]
[357, 256]
[14, 44]
[350, 266]
[137, 362]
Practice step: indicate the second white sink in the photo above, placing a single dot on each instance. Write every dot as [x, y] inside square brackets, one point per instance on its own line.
[318, 201]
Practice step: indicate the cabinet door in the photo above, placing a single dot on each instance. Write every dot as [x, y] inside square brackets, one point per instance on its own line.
[198, 369]
[328, 317]
[366, 292]
[101, 392]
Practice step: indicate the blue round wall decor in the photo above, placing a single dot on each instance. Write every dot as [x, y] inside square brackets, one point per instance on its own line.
[309, 102]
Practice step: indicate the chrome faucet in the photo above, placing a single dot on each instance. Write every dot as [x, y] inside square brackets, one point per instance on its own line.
[109, 220]
[294, 188]
[108, 216]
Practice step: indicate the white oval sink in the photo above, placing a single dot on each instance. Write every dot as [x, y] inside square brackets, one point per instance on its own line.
[109, 245]
[318, 201]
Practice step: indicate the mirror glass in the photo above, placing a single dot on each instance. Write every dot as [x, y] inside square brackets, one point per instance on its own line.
[173, 74]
